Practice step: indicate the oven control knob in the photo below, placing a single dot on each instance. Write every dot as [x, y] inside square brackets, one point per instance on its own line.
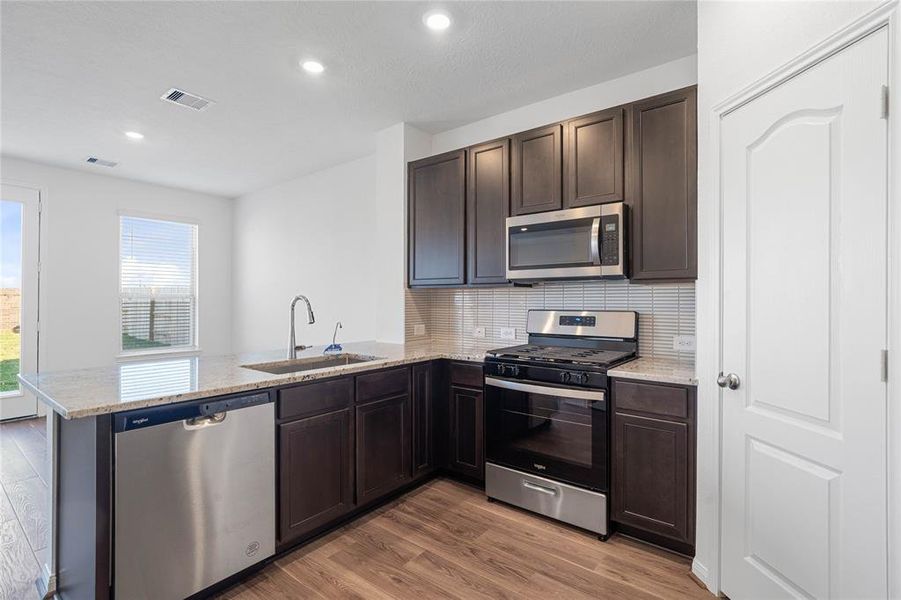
[566, 376]
[501, 369]
[583, 378]
[514, 371]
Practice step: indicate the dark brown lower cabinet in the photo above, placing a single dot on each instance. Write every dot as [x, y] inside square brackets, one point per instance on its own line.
[653, 462]
[423, 420]
[466, 452]
[384, 447]
[316, 472]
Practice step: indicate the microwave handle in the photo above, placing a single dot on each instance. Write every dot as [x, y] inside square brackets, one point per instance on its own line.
[593, 244]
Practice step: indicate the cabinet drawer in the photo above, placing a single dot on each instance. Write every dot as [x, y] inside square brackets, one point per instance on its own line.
[393, 382]
[315, 398]
[650, 398]
[466, 374]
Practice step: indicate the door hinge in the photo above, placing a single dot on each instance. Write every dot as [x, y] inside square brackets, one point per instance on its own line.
[885, 102]
[884, 365]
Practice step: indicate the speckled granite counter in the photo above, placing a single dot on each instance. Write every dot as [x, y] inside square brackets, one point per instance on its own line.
[152, 382]
[657, 370]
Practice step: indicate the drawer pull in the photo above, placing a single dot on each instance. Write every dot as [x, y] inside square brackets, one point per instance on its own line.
[539, 488]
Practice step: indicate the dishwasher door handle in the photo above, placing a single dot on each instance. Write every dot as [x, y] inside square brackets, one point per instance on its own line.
[202, 422]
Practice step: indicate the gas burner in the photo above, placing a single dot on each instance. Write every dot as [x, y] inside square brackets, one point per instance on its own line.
[563, 354]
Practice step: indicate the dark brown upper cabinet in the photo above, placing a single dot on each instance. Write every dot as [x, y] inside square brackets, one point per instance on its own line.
[436, 191]
[538, 170]
[665, 179]
[487, 207]
[594, 159]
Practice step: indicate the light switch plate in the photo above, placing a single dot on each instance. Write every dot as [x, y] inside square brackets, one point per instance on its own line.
[508, 333]
[419, 329]
[478, 332]
[684, 343]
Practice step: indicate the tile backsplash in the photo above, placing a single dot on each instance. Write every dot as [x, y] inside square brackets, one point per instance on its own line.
[452, 317]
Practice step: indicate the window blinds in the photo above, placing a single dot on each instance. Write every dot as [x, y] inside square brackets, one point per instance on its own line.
[157, 284]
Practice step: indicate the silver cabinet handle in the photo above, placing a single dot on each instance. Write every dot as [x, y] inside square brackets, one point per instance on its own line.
[732, 381]
[539, 488]
[593, 243]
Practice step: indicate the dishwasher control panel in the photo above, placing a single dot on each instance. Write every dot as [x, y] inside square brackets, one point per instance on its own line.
[157, 415]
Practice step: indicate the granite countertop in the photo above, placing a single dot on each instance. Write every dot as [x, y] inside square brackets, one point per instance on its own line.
[153, 382]
[659, 370]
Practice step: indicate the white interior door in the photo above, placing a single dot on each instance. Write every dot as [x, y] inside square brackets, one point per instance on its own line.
[804, 326]
[19, 222]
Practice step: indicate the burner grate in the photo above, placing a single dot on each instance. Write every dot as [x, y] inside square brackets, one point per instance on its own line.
[563, 354]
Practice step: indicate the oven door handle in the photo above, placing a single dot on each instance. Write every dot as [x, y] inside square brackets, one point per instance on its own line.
[594, 243]
[593, 395]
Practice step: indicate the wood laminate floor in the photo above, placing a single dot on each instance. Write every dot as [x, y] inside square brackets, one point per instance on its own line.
[24, 507]
[444, 540]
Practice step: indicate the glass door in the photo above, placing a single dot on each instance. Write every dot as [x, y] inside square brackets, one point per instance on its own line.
[555, 432]
[19, 222]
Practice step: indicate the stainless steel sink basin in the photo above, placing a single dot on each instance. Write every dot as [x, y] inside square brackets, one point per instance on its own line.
[312, 362]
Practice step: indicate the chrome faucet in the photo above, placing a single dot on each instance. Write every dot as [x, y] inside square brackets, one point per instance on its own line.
[292, 343]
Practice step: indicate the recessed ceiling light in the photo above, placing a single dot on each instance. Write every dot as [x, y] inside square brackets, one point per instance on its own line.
[311, 66]
[134, 135]
[436, 20]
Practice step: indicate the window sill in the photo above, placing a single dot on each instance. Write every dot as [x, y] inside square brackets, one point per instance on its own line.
[161, 353]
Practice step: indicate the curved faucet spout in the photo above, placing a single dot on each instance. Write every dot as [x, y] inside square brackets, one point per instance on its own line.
[292, 343]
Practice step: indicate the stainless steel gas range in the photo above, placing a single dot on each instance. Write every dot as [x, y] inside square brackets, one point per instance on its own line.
[546, 417]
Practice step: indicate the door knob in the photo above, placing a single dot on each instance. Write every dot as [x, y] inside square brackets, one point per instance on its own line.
[731, 381]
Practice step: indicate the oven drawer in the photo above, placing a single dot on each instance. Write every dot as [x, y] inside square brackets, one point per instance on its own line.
[576, 506]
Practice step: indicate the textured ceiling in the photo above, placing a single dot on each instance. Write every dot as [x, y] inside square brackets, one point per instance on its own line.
[75, 75]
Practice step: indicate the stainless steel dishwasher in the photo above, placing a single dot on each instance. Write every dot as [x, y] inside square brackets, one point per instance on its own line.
[194, 495]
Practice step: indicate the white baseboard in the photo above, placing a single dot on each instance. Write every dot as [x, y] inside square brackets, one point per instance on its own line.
[700, 571]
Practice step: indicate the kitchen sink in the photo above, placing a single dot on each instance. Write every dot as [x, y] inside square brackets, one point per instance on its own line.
[312, 362]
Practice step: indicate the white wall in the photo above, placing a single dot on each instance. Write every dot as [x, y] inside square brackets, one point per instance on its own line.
[79, 292]
[316, 236]
[738, 44]
[635, 86]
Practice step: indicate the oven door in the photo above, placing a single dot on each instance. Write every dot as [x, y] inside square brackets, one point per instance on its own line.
[576, 243]
[556, 432]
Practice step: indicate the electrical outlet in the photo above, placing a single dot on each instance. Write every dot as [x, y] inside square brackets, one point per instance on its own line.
[419, 329]
[684, 343]
[508, 333]
[478, 332]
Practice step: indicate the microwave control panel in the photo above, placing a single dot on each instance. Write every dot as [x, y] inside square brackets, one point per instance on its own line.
[610, 240]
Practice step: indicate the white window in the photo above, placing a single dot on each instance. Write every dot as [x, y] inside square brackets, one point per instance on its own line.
[157, 285]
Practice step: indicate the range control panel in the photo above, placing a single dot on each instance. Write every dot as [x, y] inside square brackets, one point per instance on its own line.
[610, 233]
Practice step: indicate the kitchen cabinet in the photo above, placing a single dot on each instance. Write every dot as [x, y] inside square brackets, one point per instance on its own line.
[316, 472]
[466, 454]
[664, 187]
[423, 420]
[436, 191]
[487, 207]
[653, 462]
[594, 159]
[384, 447]
[537, 170]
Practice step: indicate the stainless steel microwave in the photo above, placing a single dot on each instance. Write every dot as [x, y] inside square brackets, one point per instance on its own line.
[577, 243]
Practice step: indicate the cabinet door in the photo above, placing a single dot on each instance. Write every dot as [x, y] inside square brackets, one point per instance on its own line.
[652, 475]
[665, 180]
[467, 418]
[594, 159]
[383, 447]
[436, 191]
[315, 472]
[423, 419]
[538, 170]
[487, 207]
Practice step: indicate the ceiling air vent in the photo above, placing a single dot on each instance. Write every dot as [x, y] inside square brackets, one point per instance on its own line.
[99, 161]
[183, 98]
